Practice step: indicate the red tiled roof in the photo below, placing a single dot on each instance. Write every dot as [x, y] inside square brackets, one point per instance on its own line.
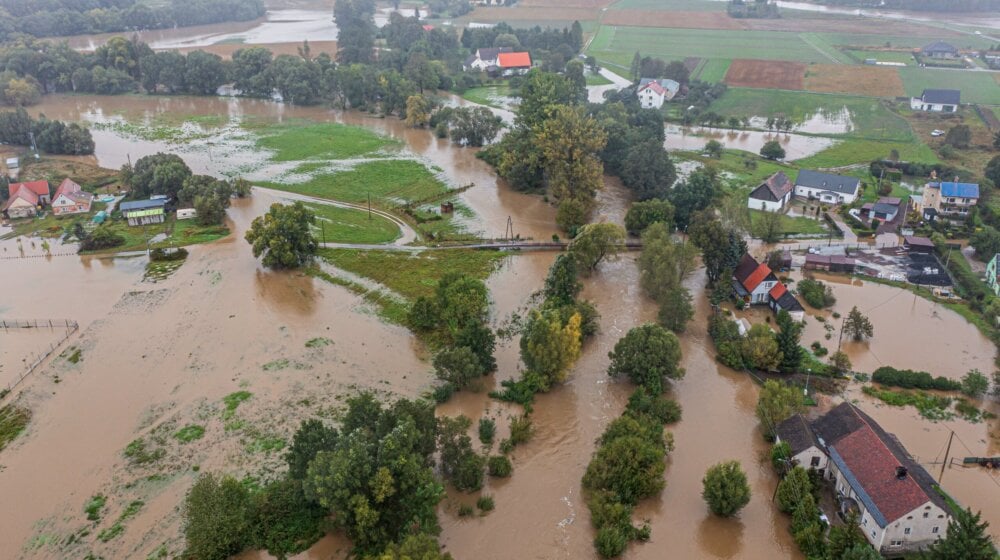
[21, 194]
[514, 60]
[66, 187]
[656, 87]
[40, 188]
[756, 277]
[778, 290]
[874, 466]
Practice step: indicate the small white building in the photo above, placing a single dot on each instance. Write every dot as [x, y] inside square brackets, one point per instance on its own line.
[13, 163]
[827, 187]
[485, 58]
[653, 94]
[773, 194]
[937, 100]
[186, 213]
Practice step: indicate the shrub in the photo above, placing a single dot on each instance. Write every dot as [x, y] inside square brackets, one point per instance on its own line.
[190, 433]
[487, 430]
[611, 541]
[485, 503]
[630, 467]
[974, 383]
[499, 466]
[667, 411]
[780, 453]
[726, 490]
[816, 293]
[465, 510]
[158, 254]
[910, 379]
[521, 430]
[94, 506]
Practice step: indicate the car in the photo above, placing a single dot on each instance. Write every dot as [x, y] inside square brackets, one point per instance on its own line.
[937, 132]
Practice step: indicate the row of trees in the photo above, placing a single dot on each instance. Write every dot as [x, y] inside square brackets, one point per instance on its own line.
[51, 136]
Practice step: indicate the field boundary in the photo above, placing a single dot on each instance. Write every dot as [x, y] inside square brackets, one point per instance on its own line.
[69, 325]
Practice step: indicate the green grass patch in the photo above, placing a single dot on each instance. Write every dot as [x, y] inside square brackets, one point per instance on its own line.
[391, 183]
[190, 433]
[713, 70]
[266, 444]
[670, 5]
[870, 194]
[489, 95]
[94, 506]
[855, 151]
[48, 227]
[793, 225]
[119, 525]
[276, 365]
[72, 355]
[881, 56]
[13, 421]
[232, 401]
[732, 162]
[821, 43]
[346, 225]
[976, 87]
[139, 453]
[302, 140]
[318, 342]
[597, 80]
[931, 407]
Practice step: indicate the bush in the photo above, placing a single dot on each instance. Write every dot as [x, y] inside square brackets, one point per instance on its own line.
[485, 503]
[521, 430]
[909, 379]
[158, 254]
[726, 490]
[629, 467]
[465, 510]
[667, 411]
[499, 466]
[487, 430]
[101, 238]
[816, 293]
[611, 541]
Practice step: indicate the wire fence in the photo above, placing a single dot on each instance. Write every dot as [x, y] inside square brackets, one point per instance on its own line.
[67, 328]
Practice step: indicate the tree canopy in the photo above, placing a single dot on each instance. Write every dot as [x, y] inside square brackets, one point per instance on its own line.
[648, 355]
[283, 236]
[725, 488]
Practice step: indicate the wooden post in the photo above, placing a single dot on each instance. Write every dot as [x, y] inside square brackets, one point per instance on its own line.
[946, 451]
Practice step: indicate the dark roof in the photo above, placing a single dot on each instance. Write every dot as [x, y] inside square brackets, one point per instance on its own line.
[840, 421]
[789, 303]
[939, 46]
[918, 241]
[827, 181]
[942, 96]
[796, 432]
[885, 208]
[141, 205]
[492, 53]
[774, 188]
[745, 268]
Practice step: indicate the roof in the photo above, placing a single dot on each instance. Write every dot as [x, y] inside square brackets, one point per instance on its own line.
[777, 291]
[789, 303]
[76, 196]
[939, 46]
[515, 60]
[657, 88]
[885, 208]
[745, 267]
[756, 277]
[890, 200]
[960, 190]
[670, 85]
[491, 53]
[942, 96]
[26, 195]
[137, 205]
[774, 188]
[795, 431]
[40, 188]
[918, 241]
[67, 186]
[827, 181]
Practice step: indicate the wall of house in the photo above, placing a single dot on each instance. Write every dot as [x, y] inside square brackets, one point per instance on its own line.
[811, 458]
[21, 209]
[824, 195]
[757, 204]
[648, 99]
[925, 524]
[866, 522]
[760, 294]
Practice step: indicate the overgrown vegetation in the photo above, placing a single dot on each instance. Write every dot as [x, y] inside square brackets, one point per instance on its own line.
[909, 379]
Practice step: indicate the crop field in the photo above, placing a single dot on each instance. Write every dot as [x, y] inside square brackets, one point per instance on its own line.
[910, 40]
[713, 70]
[859, 56]
[874, 81]
[976, 87]
[668, 5]
[768, 74]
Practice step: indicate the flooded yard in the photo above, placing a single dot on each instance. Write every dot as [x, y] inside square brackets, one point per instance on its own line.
[797, 146]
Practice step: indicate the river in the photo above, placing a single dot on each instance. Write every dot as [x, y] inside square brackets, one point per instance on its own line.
[158, 356]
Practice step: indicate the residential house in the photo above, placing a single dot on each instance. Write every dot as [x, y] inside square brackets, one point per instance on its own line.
[898, 506]
[915, 244]
[485, 58]
[940, 49]
[143, 212]
[756, 284]
[40, 188]
[827, 187]
[949, 199]
[991, 274]
[23, 202]
[773, 194]
[654, 93]
[512, 63]
[806, 451]
[780, 299]
[70, 198]
[937, 100]
[829, 263]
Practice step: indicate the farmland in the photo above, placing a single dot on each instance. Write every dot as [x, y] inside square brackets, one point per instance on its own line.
[874, 81]
[977, 87]
[904, 57]
[713, 70]
[765, 74]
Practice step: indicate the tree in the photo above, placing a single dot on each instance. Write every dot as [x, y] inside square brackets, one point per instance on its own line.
[648, 355]
[241, 187]
[636, 65]
[793, 489]
[458, 366]
[282, 520]
[996, 141]
[776, 403]
[312, 437]
[571, 214]
[992, 170]
[714, 148]
[693, 195]
[857, 326]
[562, 284]
[664, 264]
[841, 362]
[594, 243]
[959, 136]
[216, 518]
[283, 236]
[648, 171]
[974, 383]
[549, 347]
[414, 547]
[641, 215]
[986, 241]
[418, 111]
[860, 551]
[356, 35]
[721, 247]
[725, 488]
[569, 143]
[480, 339]
[816, 293]
[459, 462]
[789, 342]
[474, 126]
[158, 174]
[629, 467]
[675, 309]
[677, 71]
[967, 539]
[996, 384]
[768, 227]
[250, 72]
[848, 540]
[204, 72]
[772, 150]
[461, 301]
[209, 196]
[760, 349]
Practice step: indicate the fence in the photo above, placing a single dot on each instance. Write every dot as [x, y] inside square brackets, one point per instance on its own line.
[67, 325]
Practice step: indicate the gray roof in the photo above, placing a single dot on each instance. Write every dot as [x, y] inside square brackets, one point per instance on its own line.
[827, 181]
[141, 205]
[773, 189]
[939, 46]
[797, 433]
[885, 208]
[492, 53]
[942, 96]
[667, 84]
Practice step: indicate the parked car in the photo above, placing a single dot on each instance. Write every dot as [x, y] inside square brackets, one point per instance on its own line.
[937, 132]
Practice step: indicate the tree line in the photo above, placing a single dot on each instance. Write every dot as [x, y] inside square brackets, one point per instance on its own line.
[51, 136]
[922, 5]
[51, 18]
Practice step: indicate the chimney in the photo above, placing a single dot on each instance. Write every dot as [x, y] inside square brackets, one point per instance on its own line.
[900, 472]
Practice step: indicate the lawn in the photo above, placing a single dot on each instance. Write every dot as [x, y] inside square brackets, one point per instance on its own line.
[793, 225]
[391, 183]
[899, 41]
[491, 96]
[882, 56]
[345, 225]
[731, 162]
[870, 194]
[871, 118]
[860, 151]
[51, 226]
[713, 70]
[295, 141]
[597, 80]
[976, 87]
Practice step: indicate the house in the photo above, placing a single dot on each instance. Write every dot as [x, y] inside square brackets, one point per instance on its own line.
[143, 212]
[653, 94]
[915, 244]
[937, 100]
[756, 284]
[773, 194]
[826, 187]
[23, 203]
[514, 62]
[485, 58]
[991, 274]
[70, 198]
[940, 49]
[783, 300]
[949, 199]
[885, 209]
[40, 188]
[829, 263]
[806, 451]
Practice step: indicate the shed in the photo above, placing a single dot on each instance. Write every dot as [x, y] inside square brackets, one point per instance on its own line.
[916, 244]
[13, 163]
[186, 213]
[142, 212]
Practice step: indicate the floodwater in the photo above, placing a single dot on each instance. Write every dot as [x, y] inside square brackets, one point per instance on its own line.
[797, 146]
[984, 19]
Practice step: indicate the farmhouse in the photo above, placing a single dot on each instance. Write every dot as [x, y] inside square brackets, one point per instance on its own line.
[24, 201]
[949, 199]
[756, 284]
[514, 62]
[773, 194]
[833, 189]
[653, 93]
[70, 198]
[142, 212]
[939, 49]
[991, 274]
[485, 58]
[898, 507]
[937, 100]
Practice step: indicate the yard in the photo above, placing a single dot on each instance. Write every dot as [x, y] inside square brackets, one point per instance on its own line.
[976, 87]
[856, 151]
[792, 225]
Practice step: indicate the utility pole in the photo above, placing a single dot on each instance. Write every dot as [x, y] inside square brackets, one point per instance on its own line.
[508, 233]
[946, 451]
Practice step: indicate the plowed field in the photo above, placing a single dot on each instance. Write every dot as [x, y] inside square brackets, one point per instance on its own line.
[766, 74]
[860, 80]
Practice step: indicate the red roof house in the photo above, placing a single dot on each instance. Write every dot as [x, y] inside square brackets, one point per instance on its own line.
[70, 198]
[40, 188]
[23, 203]
[514, 61]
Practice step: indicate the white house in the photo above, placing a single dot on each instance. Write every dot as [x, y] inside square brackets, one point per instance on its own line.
[485, 58]
[806, 452]
[653, 94]
[773, 194]
[70, 198]
[826, 187]
[937, 100]
[753, 281]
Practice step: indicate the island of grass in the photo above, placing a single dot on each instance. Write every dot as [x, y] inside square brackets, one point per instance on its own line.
[498, 96]
[307, 140]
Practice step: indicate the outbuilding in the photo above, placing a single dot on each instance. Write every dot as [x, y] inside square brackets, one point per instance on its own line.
[143, 212]
[915, 244]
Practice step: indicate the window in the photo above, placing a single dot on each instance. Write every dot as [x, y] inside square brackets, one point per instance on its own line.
[873, 533]
[906, 531]
[864, 522]
[895, 543]
[934, 530]
[926, 515]
[815, 461]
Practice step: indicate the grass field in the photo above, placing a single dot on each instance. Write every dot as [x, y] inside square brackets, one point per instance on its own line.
[344, 225]
[669, 5]
[487, 95]
[792, 225]
[859, 151]
[900, 41]
[294, 141]
[872, 81]
[860, 56]
[732, 163]
[390, 182]
[713, 70]
[976, 87]
[597, 80]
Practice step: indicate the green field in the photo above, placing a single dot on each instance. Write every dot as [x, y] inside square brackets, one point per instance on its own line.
[908, 41]
[390, 183]
[870, 117]
[976, 87]
[792, 225]
[826, 44]
[713, 70]
[860, 151]
[295, 141]
[882, 56]
[345, 225]
[597, 80]
[732, 163]
[488, 95]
